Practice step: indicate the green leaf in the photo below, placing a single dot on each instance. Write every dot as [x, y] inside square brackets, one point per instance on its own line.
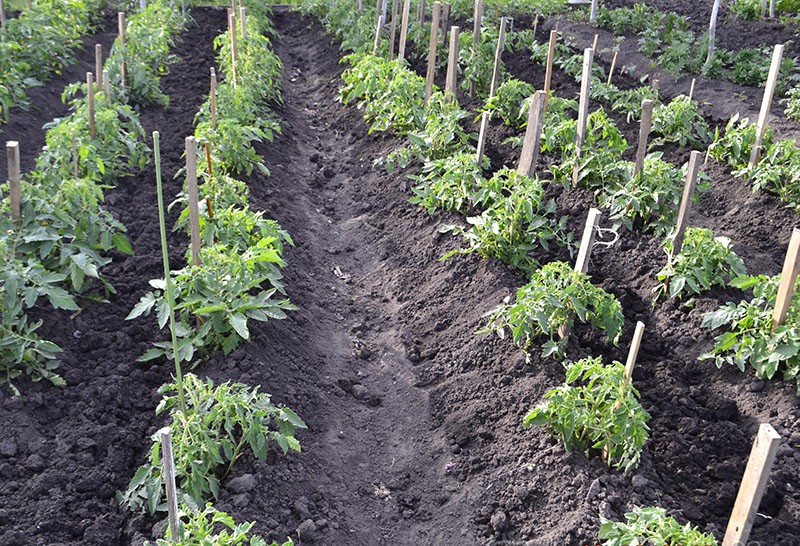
[239, 323]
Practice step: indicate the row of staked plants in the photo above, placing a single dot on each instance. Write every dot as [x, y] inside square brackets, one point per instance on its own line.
[39, 43]
[509, 217]
[207, 306]
[56, 252]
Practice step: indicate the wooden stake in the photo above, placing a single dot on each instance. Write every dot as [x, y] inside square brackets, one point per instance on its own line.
[686, 201]
[788, 278]
[378, 10]
[593, 12]
[498, 55]
[168, 471]
[234, 52]
[772, 9]
[122, 24]
[74, 155]
[393, 30]
[656, 84]
[594, 42]
[243, 21]
[613, 65]
[476, 38]
[754, 482]
[583, 108]
[98, 64]
[401, 53]
[482, 136]
[644, 133]
[106, 87]
[548, 74]
[12, 153]
[194, 213]
[433, 44]
[587, 240]
[421, 14]
[691, 88]
[766, 103]
[633, 353]
[359, 5]
[533, 133]
[208, 159]
[452, 65]
[378, 28]
[445, 22]
[2, 15]
[712, 32]
[213, 98]
[763, 9]
[90, 97]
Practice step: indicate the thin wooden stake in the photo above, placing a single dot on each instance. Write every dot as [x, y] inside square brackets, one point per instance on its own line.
[476, 38]
[90, 97]
[98, 64]
[772, 9]
[498, 55]
[712, 32]
[587, 241]
[445, 22]
[788, 278]
[452, 65]
[766, 103]
[583, 108]
[360, 5]
[208, 159]
[754, 482]
[633, 353]
[691, 88]
[593, 12]
[106, 87]
[401, 52]
[421, 13]
[378, 9]
[432, 46]
[482, 136]
[686, 201]
[2, 15]
[377, 44]
[613, 65]
[74, 155]
[213, 98]
[243, 22]
[763, 9]
[644, 133]
[168, 470]
[194, 213]
[548, 74]
[122, 24]
[594, 42]
[393, 30]
[533, 133]
[12, 153]
[234, 48]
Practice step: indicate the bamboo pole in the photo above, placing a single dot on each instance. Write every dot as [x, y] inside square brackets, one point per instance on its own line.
[194, 213]
[12, 154]
[401, 53]
[583, 108]
[754, 483]
[122, 24]
[548, 74]
[788, 278]
[213, 98]
[766, 103]
[644, 133]
[90, 100]
[452, 65]
[432, 46]
[168, 472]
[686, 202]
[476, 38]
[533, 133]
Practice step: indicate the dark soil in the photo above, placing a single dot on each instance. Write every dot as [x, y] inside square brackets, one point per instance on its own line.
[415, 432]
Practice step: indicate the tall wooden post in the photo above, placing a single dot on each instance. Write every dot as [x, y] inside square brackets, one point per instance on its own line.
[498, 55]
[234, 48]
[90, 100]
[533, 133]
[2, 15]
[393, 30]
[401, 53]
[548, 73]
[122, 23]
[12, 153]
[452, 65]
[194, 212]
[243, 21]
[644, 133]
[583, 108]
[593, 12]
[432, 46]
[686, 202]
[476, 38]
[445, 22]
[766, 103]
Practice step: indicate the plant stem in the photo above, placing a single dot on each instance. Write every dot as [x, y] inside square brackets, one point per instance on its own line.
[167, 276]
